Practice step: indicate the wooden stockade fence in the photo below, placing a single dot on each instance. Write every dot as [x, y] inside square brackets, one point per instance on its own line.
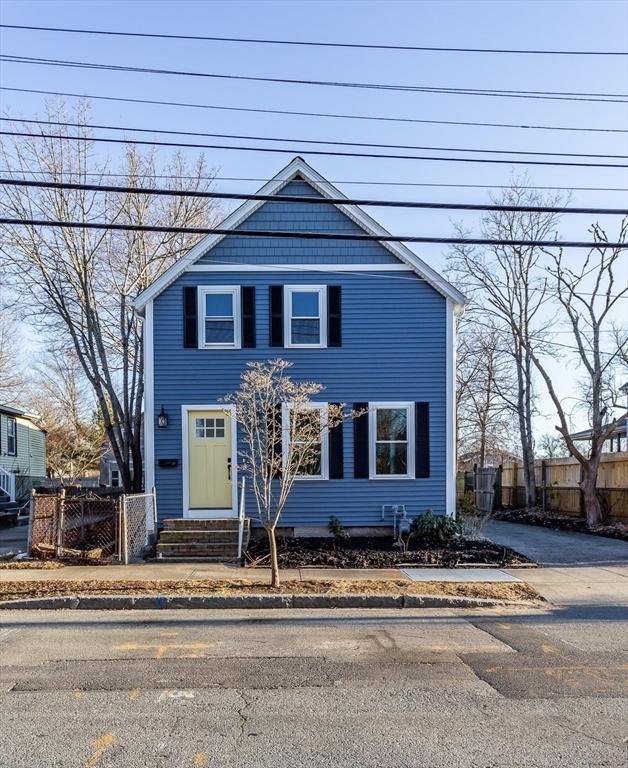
[89, 527]
[557, 486]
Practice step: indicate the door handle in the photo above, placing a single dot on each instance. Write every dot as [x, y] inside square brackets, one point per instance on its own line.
[229, 468]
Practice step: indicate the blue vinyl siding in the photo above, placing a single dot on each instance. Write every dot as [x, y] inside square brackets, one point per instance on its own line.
[393, 349]
[298, 217]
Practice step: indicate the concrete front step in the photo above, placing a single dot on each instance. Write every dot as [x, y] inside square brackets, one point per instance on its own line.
[219, 551]
[198, 537]
[181, 524]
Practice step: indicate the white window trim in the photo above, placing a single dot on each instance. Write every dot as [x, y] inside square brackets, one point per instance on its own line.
[287, 315]
[13, 434]
[285, 437]
[234, 290]
[373, 407]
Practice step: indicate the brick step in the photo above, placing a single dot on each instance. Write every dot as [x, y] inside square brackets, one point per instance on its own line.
[198, 537]
[181, 524]
[225, 551]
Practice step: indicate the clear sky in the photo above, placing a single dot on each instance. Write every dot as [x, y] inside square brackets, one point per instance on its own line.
[599, 25]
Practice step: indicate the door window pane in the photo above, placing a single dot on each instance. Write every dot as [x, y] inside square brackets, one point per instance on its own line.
[209, 427]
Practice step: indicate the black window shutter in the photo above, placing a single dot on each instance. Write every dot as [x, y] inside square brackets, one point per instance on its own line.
[336, 453]
[276, 316]
[334, 316]
[190, 317]
[422, 439]
[274, 438]
[247, 294]
[361, 441]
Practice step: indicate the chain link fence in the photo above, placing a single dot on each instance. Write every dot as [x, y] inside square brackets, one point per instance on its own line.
[136, 510]
[90, 527]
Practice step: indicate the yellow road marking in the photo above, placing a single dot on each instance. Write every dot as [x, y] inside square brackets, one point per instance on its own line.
[100, 746]
[78, 694]
[550, 670]
[200, 758]
[549, 649]
[160, 649]
[134, 693]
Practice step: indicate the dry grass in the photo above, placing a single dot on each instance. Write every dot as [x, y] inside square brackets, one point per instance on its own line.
[37, 565]
[12, 590]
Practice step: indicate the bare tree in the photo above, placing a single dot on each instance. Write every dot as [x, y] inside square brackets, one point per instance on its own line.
[80, 284]
[504, 281]
[587, 297]
[62, 398]
[552, 447]
[282, 437]
[11, 377]
[484, 374]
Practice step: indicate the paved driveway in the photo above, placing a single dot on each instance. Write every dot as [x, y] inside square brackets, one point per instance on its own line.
[550, 547]
[14, 538]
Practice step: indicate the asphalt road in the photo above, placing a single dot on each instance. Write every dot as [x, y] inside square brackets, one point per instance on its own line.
[314, 688]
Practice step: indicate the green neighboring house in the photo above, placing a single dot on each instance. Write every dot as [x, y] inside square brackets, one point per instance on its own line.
[22, 454]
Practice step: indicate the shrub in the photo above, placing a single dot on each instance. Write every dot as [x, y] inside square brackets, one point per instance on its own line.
[336, 529]
[435, 529]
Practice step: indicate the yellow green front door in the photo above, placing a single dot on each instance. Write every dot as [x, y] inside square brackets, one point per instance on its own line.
[209, 465]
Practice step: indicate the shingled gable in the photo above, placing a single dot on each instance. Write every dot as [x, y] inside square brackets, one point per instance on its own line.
[299, 169]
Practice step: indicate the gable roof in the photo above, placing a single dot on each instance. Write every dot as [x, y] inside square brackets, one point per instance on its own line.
[10, 410]
[298, 168]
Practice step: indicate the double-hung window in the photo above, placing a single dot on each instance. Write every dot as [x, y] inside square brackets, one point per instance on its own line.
[219, 315]
[305, 315]
[11, 436]
[305, 439]
[391, 449]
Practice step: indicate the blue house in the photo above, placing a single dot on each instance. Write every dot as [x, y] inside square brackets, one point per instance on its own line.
[369, 320]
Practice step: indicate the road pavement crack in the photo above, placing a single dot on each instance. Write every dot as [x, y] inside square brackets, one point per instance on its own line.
[241, 711]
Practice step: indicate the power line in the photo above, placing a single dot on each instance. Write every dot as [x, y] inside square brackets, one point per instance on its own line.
[316, 43]
[108, 174]
[325, 152]
[281, 198]
[311, 141]
[380, 118]
[283, 234]
[620, 98]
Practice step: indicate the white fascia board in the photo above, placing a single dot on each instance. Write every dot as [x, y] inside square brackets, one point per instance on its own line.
[298, 167]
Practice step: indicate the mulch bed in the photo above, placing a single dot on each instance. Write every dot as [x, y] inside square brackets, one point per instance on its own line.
[18, 590]
[558, 522]
[379, 552]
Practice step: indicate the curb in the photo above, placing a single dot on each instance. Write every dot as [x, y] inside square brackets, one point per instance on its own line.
[146, 602]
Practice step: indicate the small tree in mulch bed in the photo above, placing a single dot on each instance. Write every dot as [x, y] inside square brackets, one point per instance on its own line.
[283, 432]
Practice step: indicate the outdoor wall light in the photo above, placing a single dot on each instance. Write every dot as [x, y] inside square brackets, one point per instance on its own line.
[162, 419]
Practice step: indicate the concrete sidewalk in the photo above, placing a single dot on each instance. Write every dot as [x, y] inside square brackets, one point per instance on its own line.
[575, 586]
